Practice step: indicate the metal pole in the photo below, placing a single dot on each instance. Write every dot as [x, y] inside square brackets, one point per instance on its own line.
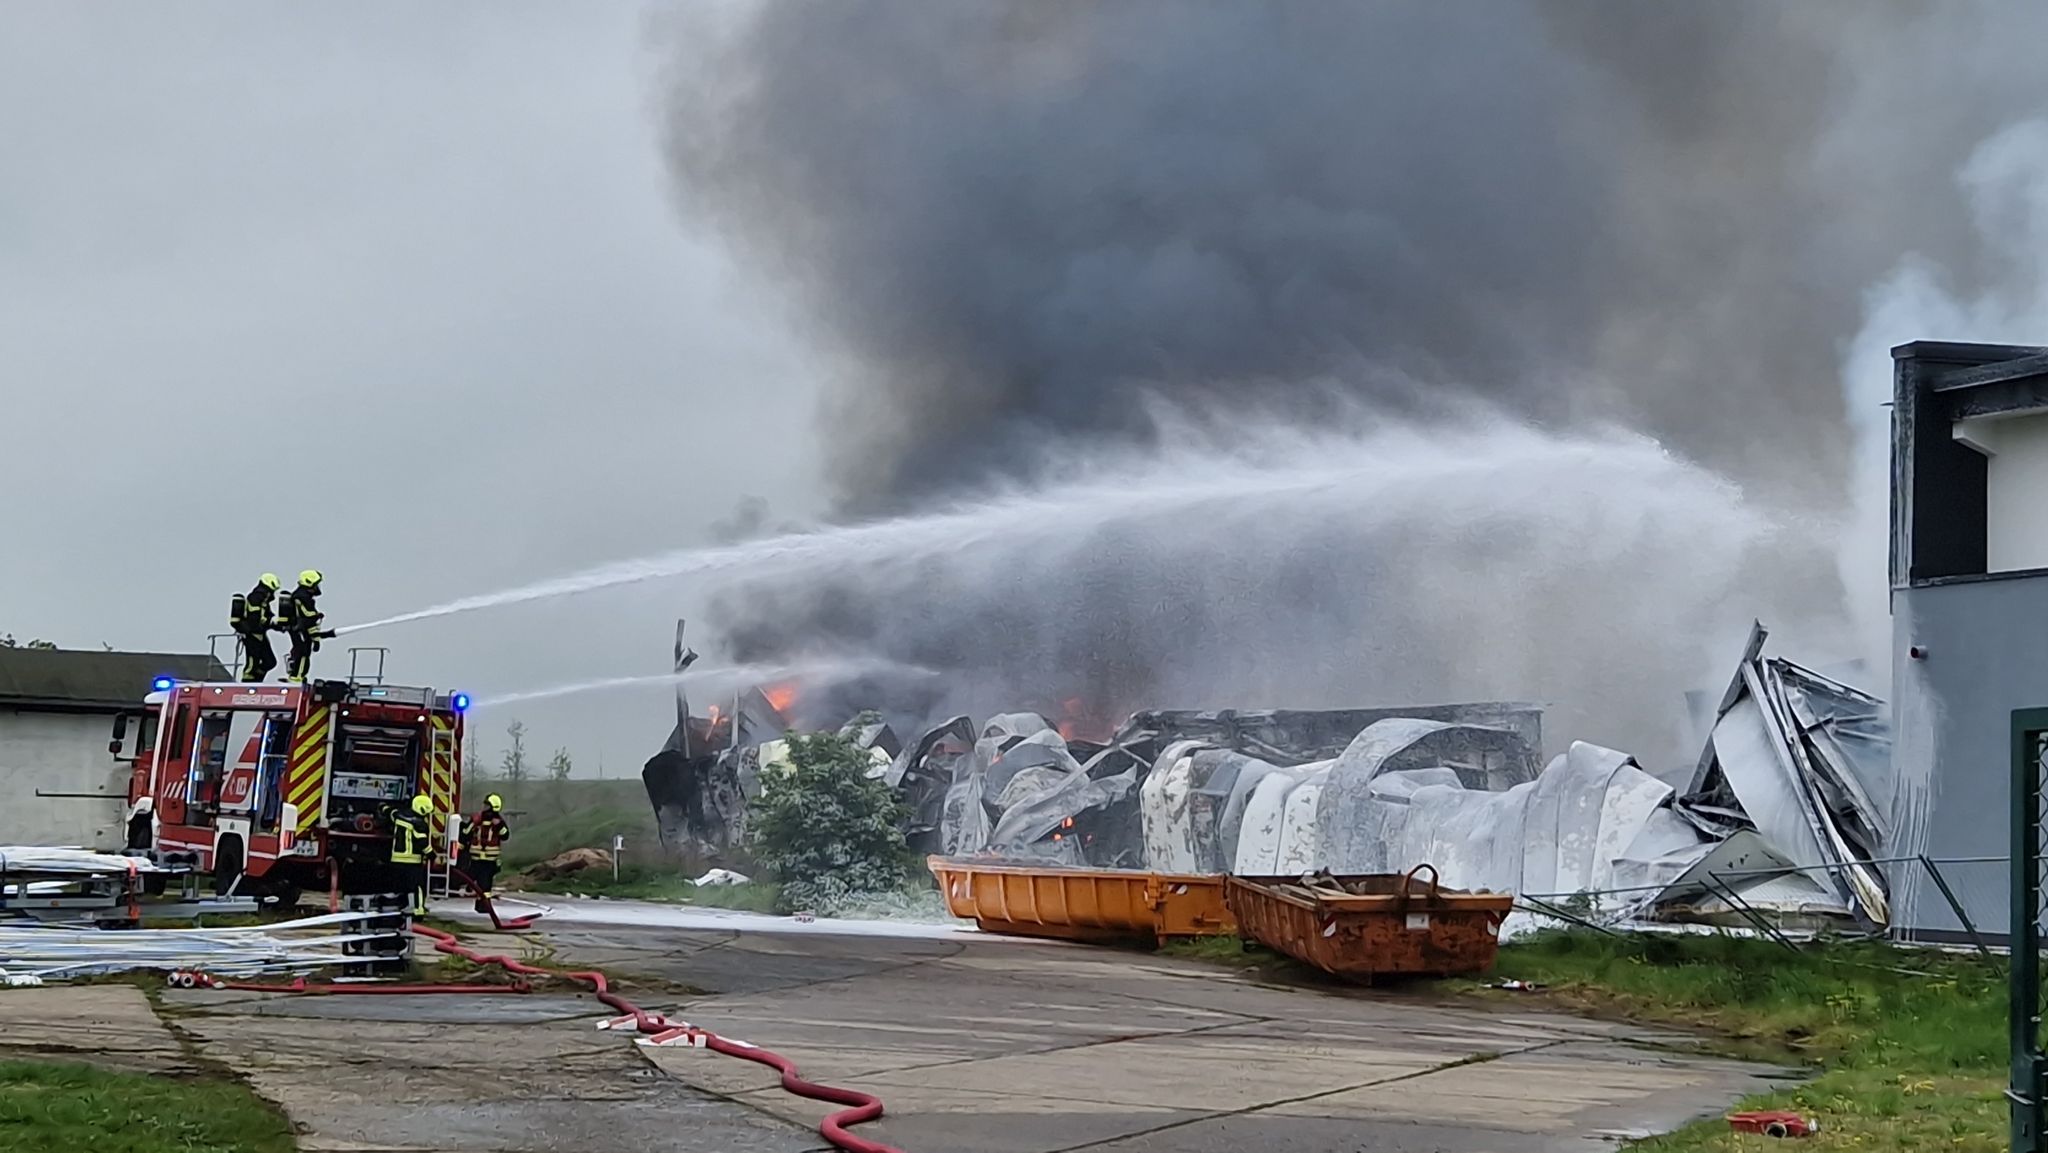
[2025, 987]
[1956, 907]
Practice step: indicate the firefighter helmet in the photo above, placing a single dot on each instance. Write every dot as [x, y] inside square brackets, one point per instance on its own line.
[309, 579]
[495, 802]
[269, 580]
[422, 805]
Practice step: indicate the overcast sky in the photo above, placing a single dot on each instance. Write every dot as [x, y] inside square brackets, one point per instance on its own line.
[401, 293]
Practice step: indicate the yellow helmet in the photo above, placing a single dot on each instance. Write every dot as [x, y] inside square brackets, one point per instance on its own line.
[495, 802]
[269, 580]
[422, 805]
[309, 578]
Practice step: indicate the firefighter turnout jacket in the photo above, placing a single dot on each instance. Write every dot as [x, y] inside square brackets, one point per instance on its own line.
[299, 614]
[249, 613]
[487, 833]
[411, 838]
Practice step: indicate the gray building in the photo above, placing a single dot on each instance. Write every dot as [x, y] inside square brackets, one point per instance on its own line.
[58, 783]
[1969, 596]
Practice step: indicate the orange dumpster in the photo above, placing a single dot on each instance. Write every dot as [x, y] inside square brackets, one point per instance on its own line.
[1363, 927]
[1082, 904]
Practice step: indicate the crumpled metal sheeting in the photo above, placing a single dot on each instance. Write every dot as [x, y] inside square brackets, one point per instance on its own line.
[1590, 814]
[49, 953]
[1797, 755]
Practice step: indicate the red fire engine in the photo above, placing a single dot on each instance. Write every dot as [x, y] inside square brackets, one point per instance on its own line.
[304, 803]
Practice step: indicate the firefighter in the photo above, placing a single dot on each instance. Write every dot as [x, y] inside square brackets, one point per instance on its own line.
[250, 615]
[412, 842]
[299, 616]
[483, 844]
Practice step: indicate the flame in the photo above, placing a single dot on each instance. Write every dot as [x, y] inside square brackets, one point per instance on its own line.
[1078, 721]
[713, 717]
[780, 696]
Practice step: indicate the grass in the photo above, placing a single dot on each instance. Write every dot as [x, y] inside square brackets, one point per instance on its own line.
[58, 1107]
[1230, 952]
[646, 884]
[1900, 1060]
[579, 817]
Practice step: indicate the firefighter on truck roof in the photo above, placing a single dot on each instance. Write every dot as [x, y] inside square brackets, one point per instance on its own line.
[412, 842]
[249, 614]
[483, 846]
[300, 617]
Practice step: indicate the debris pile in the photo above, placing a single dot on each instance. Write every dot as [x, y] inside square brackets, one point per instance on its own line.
[1777, 815]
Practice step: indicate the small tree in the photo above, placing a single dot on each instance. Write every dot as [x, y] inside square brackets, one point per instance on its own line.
[825, 830]
[513, 766]
[559, 766]
[7, 641]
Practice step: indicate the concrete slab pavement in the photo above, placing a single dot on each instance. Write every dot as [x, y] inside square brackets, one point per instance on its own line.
[989, 1046]
[107, 1025]
[464, 1074]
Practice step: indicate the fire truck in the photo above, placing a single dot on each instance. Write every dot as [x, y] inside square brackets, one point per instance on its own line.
[305, 799]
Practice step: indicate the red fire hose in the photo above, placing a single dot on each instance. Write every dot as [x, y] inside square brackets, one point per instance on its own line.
[860, 1107]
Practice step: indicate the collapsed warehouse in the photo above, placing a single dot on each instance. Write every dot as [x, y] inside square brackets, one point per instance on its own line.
[1776, 816]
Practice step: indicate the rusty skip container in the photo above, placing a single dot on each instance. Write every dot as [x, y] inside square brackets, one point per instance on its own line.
[1082, 904]
[1365, 927]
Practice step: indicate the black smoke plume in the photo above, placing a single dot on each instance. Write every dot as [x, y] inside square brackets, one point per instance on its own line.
[1016, 225]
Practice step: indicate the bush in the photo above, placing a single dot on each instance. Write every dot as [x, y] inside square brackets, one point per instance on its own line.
[831, 836]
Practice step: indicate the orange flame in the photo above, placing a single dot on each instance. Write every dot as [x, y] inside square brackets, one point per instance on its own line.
[1077, 720]
[780, 696]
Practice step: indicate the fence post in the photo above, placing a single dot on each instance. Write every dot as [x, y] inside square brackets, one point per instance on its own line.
[1956, 907]
[2024, 1091]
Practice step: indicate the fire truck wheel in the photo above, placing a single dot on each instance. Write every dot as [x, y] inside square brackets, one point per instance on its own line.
[227, 867]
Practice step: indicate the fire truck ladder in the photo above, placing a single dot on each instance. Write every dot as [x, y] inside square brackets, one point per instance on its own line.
[442, 744]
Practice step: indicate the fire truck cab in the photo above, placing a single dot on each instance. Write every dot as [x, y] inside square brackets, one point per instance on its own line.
[278, 788]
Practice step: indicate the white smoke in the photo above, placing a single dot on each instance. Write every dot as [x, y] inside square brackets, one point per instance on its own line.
[2006, 184]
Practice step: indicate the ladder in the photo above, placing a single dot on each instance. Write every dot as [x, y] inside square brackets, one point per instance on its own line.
[440, 882]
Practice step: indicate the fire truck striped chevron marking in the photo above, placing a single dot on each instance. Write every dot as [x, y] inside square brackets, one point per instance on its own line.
[306, 776]
[441, 774]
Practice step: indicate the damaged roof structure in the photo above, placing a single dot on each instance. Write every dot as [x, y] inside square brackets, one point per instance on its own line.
[1776, 816]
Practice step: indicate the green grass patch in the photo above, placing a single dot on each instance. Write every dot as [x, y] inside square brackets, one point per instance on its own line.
[1907, 1048]
[661, 885]
[1229, 951]
[545, 832]
[58, 1107]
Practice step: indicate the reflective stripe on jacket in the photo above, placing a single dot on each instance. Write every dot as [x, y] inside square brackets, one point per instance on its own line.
[408, 839]
[487, 835]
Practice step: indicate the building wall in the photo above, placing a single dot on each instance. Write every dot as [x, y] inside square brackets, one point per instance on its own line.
[59, 753]
[1986, 645]
[2015, 488]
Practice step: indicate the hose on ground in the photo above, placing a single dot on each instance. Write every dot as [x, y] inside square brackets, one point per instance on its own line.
[513, 925]
[861, 1107]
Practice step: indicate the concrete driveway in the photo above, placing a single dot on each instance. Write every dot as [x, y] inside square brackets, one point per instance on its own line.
[987, 1045]
[976, 1044]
